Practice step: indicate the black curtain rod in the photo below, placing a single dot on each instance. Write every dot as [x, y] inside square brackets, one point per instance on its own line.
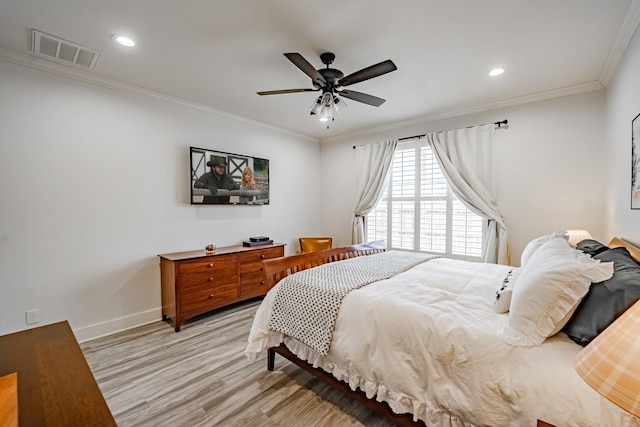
[499, 124]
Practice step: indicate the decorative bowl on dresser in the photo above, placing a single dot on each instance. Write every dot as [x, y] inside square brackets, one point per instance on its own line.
[196, 282]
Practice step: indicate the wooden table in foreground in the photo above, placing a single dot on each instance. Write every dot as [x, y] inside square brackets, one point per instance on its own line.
[55, 384]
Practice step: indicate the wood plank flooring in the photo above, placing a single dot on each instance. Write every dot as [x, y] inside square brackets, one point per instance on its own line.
[153, 376]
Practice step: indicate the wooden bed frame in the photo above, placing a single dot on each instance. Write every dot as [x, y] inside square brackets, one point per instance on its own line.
[278, 268]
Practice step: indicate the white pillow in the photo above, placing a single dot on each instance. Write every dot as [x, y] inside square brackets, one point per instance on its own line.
[502, 300]
[550, 286]
[533, 245]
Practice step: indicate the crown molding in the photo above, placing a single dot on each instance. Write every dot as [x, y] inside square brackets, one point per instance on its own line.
[25, 60]
[625, 34]
[101, 81]
[449, 114]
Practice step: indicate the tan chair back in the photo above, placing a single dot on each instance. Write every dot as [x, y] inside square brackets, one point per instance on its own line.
[312, 244]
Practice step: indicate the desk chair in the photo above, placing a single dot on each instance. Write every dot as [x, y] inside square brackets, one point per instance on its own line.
[311, 244]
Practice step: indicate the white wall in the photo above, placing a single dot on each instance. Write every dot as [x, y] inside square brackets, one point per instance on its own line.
[622, 105]
[94, 183]
[548, 167]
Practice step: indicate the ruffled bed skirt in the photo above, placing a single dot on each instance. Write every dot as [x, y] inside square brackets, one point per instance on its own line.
[398, 402]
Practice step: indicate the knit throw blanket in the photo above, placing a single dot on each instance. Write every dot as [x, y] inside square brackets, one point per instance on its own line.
[307, 303]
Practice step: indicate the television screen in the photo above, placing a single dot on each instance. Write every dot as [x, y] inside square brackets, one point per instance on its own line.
[220, 178]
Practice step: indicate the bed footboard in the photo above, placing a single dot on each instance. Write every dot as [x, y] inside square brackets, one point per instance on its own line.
[276, 269]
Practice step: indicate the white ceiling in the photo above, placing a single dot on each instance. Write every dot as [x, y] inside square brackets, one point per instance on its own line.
[219, 53]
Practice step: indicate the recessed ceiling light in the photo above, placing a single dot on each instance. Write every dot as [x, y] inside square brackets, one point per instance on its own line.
[496, 72]
[123, 40]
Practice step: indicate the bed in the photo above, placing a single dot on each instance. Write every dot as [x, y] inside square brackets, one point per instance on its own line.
[426, 345]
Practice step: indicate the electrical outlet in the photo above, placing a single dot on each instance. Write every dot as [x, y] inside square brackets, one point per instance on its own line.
[33, 316]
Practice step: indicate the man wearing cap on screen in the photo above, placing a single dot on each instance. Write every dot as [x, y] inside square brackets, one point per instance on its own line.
[216, 180]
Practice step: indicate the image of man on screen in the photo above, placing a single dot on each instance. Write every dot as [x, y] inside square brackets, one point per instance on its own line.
[216, 179]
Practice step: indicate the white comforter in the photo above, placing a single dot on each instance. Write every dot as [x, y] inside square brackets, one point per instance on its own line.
[428, 342]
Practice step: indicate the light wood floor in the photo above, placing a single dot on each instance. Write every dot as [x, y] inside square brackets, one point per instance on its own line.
[153, 376]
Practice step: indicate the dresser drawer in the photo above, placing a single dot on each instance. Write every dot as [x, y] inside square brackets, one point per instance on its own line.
[251, 262]
[207, 265]
[253, 283]
[253, 267]
[186, 282]
[252, 279]
[203, 299]
[256, 257]
[190, 282]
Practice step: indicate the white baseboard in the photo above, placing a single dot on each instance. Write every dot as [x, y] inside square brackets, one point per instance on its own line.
[98, 330]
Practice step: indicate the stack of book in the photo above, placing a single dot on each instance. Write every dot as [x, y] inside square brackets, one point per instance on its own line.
[257, 241]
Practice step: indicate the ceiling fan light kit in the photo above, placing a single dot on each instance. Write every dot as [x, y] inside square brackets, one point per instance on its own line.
[338, 104]
[331, 81]
[327, 106]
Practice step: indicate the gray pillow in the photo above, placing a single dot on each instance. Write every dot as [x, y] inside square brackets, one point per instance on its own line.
[591, 247]
[607, 300]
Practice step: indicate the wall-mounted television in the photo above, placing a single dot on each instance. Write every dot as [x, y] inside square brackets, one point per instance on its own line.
[221, 178]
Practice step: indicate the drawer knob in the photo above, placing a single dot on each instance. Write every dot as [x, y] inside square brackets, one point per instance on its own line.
[210, 265]
[262, 283]
[262, 256]
[261, 268]
[211, 279]
[210, 296]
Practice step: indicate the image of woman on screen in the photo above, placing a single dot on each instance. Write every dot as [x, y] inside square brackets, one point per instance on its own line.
[248, 182]
[216, 179]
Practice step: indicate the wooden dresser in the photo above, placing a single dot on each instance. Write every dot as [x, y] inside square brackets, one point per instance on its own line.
[196, 282]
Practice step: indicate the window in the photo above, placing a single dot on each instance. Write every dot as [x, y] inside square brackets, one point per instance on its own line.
[419, 212]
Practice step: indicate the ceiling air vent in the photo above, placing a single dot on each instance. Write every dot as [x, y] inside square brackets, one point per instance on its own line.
[63, 51]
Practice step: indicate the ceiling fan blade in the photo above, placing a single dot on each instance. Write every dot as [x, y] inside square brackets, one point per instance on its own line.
[276, 92]
[299, 61]
[362, 97]
[376, 70]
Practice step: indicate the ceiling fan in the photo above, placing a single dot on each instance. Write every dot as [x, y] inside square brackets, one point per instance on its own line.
[331, 81]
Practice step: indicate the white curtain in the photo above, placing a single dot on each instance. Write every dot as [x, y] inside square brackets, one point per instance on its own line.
[465, 157]
[372, 167]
